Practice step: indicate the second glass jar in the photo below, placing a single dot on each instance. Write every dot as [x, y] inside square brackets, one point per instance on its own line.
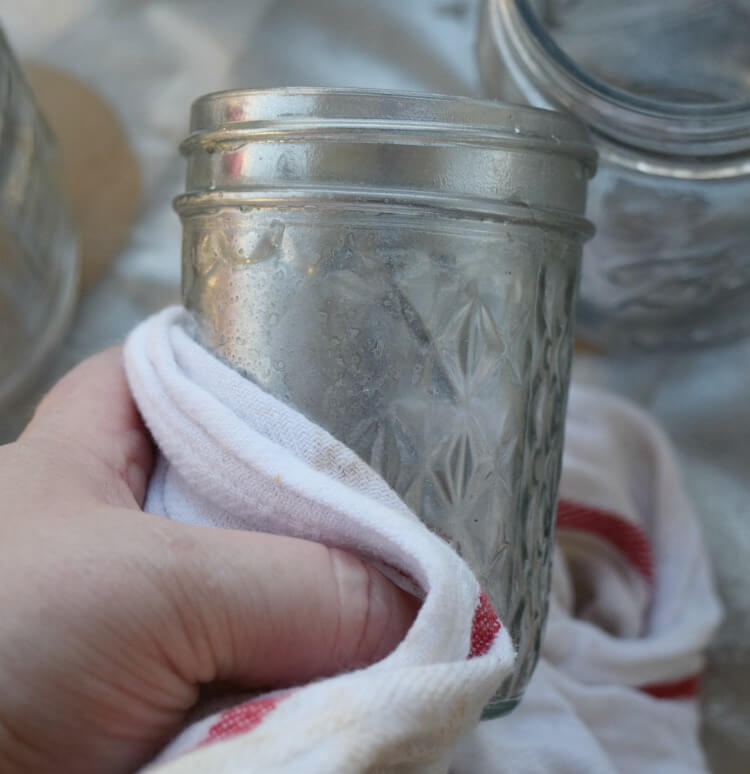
[670, 263]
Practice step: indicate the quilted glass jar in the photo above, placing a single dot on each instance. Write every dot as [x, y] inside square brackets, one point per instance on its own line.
[402, 269]
[665, 90]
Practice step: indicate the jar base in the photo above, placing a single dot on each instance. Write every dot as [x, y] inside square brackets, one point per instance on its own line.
[499, 707]
[690, 328]
[647, 339]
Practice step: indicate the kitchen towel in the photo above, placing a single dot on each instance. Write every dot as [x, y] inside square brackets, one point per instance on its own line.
[632, 603]
[632, 609]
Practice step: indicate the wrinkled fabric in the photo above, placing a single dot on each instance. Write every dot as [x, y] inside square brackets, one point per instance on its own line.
[632, 604]
[234, 456]
[632, 611]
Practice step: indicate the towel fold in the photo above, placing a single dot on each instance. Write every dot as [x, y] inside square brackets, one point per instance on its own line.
[632, 602]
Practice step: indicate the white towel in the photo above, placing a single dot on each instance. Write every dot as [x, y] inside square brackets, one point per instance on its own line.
[234, 456]
[632, 600]
[632, 610]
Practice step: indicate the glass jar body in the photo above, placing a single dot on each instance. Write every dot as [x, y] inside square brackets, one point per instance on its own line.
[39, 262]
[437, 349]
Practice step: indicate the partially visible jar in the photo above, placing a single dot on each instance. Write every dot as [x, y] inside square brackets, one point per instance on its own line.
[665, 91]
[39, 263]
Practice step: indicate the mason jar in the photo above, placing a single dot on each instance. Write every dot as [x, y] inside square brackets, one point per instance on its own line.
[39, 262]
[402, 269]
[665, 90]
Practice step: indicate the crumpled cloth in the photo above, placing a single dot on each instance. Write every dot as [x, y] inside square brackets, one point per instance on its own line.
[632, 610]
[632, 601]
[234, 456]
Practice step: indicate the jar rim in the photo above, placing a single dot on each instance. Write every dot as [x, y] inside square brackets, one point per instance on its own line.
[682, 129]
[372, 150]
[468, 120]
[393, 104]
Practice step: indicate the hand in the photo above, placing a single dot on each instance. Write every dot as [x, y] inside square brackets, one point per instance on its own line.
[111, 619]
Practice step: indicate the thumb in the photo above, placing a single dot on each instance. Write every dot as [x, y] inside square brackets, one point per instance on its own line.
[267, 610]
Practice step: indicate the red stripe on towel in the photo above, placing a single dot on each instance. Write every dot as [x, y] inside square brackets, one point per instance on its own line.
[631, 541]
[484, 627]
[687, 688]
[243, 718]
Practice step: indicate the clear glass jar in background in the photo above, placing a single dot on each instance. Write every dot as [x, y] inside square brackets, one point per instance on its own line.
[39, 263]
[665, 89]
[402, 269]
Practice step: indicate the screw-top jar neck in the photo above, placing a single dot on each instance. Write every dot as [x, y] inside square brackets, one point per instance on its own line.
[548, 76]
[385, 150]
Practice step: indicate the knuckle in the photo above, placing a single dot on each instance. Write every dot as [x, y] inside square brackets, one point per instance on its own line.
[360, 615]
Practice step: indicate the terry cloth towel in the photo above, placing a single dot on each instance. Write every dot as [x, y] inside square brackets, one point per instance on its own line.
[632, 603]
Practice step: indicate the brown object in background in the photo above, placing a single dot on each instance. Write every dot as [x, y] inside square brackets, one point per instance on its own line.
[100, 172]
[588, 347]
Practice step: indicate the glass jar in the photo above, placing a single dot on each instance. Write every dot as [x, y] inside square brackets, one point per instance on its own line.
[39, 262]
[665, 90]
[402, 270]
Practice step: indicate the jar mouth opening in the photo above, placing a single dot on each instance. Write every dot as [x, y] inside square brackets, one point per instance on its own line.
[681, 128]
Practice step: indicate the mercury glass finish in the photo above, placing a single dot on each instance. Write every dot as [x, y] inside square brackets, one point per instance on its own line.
[402, 269]
[38, 257]
[665, 90]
